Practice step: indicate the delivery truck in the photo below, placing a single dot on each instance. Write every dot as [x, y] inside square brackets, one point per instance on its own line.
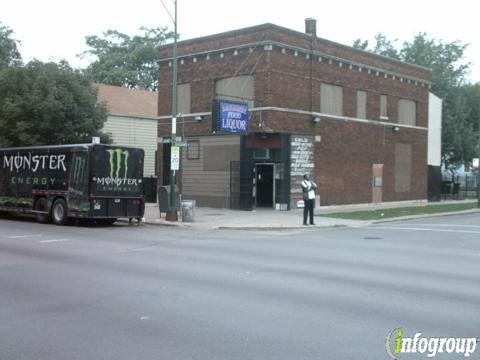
[86, 181]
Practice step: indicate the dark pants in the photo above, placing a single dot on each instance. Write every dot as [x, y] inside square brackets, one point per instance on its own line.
[308, 208]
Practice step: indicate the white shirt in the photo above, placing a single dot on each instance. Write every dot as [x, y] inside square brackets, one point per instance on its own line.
[309, 185]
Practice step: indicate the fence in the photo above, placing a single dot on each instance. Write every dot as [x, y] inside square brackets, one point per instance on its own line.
[463, 187]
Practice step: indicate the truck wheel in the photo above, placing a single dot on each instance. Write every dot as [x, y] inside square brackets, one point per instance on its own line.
[42, 205]
[59, 212]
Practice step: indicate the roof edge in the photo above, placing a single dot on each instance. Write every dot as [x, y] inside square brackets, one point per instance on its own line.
[269, 26]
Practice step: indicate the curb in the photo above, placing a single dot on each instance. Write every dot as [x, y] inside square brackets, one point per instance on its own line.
[360, 223]
[266, 228]
[413, 217]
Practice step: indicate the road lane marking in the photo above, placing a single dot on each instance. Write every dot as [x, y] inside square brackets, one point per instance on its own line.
[448, 225]
[53, 241]
[425, 229]
[22, 236]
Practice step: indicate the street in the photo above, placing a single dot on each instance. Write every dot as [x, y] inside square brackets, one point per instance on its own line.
[153, 292]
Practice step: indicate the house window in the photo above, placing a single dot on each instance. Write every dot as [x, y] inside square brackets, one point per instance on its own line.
[383, 107]
[407, 112]
[331, 99]
[184, 98]
[238, 88]
[361, 104]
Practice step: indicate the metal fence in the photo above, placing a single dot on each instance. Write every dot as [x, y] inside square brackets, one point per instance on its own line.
[460, 188]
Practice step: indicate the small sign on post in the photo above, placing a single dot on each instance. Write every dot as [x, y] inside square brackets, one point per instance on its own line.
[175, 158]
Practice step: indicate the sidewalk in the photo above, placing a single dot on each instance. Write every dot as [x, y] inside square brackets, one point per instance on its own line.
[269, 219]
[259, 219]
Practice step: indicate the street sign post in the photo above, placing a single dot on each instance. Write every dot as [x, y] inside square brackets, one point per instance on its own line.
[175, 158]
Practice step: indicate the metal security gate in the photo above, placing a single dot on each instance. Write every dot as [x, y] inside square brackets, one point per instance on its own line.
[241, 185]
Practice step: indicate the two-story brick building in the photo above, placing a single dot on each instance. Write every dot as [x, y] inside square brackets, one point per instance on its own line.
[357, 122]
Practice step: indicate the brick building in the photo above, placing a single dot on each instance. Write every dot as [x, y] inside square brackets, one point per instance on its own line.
[355, 121]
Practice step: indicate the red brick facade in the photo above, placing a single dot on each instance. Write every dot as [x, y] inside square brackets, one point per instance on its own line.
[289, 68]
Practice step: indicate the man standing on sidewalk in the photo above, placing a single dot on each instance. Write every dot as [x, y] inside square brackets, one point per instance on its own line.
[308, 189]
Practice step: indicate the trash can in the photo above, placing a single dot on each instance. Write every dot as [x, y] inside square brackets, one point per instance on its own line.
[150, 188]
[188, 210]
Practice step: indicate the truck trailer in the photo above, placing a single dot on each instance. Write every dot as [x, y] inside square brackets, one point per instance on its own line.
[86, 181]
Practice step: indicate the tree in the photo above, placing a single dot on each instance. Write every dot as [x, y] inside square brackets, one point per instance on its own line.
[46, 104]
[9, 54]
[448, 79]
[383, 46]
[126, 61]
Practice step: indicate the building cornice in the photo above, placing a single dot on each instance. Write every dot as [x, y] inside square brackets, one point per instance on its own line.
[315, 55]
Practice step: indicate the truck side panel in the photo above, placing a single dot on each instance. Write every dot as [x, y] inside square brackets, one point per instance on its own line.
[29, 174]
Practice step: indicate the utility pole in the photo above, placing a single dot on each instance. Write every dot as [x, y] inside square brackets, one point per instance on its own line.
[172, 214]
[478, 165]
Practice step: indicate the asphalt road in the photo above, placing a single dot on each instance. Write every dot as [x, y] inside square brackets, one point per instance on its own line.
[146, 292]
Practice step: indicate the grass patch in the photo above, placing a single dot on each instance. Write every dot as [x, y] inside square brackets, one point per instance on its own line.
[402, 211]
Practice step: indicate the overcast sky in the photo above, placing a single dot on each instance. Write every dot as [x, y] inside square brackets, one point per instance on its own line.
[54, 29]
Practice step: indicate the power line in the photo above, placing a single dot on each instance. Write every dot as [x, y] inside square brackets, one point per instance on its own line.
[168, 11]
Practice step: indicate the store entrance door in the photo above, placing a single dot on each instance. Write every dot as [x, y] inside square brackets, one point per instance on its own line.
[265, 185]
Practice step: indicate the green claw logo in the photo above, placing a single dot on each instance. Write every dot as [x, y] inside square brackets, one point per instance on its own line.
[79, 170]
[118, 161]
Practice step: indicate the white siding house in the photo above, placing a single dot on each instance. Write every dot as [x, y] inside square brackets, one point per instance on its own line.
[132, 119]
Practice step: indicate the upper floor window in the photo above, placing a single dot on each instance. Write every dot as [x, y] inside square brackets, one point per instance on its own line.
[238, 88]
[361, 104]
[184, 98]
[383, 107]
[331, 99]
[407, 112]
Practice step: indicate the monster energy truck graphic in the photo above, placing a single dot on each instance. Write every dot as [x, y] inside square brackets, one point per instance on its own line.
[116, 163]
[79, 170]
[118, 171]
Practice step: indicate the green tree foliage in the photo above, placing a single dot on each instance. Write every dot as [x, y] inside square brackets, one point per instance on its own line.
[9, 54]
[383, 46]
[47, 103]
[126, 61]
[449, 70]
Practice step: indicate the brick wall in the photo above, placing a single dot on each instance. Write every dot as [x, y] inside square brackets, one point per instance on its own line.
[290, 78]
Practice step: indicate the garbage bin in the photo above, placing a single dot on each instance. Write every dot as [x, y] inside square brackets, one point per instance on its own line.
[188, 210]
[150, 188]
[164, 199]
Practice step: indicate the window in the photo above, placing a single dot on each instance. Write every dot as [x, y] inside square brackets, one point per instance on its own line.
[407, 112]
[383, 107]
[238, 88]
[331, 99]
[184, 97]
[361, 104]
[193, 150]
[261, 154]
[403, 167]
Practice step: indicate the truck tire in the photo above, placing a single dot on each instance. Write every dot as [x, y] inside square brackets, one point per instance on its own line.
[42, 205]
[59, 212]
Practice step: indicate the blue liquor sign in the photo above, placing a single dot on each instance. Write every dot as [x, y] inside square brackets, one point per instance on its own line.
[230, 117]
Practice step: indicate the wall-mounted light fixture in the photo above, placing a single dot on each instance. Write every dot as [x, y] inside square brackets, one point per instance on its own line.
[199, 118]
[316, 119]
[395, 129]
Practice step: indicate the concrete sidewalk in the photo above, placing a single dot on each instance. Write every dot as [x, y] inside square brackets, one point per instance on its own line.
[269, 219]
[259, 219]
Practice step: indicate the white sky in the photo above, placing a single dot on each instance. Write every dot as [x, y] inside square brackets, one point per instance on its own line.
[54, 29]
